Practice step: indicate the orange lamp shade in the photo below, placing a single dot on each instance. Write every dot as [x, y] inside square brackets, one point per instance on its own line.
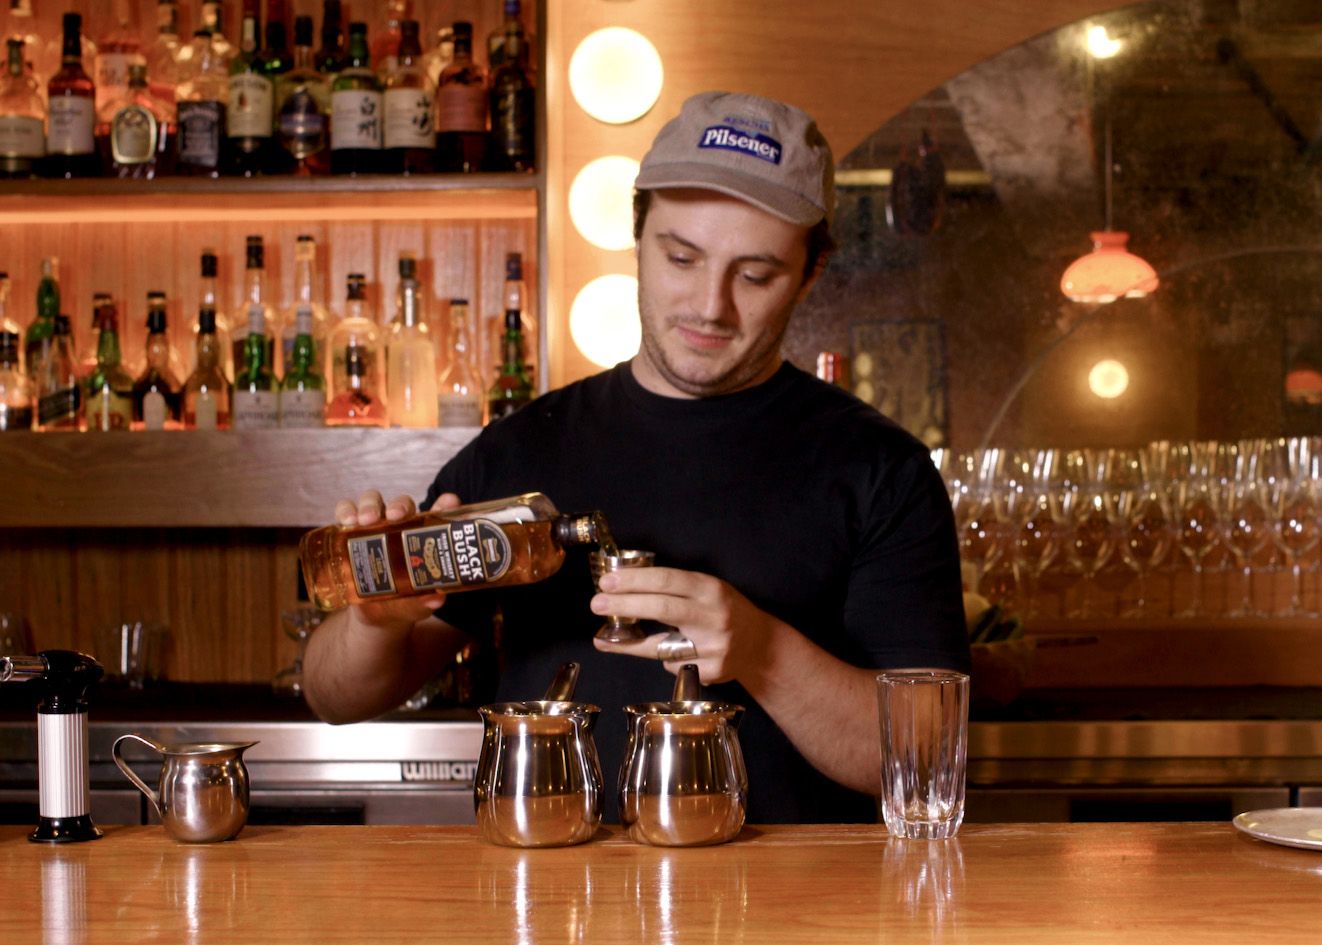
[1109, 272]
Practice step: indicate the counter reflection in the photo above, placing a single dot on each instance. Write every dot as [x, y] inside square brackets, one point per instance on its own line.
[922, 881]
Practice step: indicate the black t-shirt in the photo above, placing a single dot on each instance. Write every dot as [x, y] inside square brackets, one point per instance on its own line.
[816, 508]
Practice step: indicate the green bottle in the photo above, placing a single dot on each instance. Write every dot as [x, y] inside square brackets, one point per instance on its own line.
[37, 341]
[108, 401]
[303, 391]
[248, 122]
[357, 111]
[255, 397]
[513, 387]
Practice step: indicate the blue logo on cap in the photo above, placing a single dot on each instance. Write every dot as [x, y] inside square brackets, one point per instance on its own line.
[732, 139]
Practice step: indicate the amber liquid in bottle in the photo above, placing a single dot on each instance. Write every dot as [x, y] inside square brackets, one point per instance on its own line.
[493, 544]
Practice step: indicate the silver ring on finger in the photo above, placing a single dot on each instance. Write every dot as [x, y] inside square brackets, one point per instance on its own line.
[676, 647]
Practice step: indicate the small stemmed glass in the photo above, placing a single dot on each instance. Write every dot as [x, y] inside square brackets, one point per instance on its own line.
[1295, 506]
[1199, 520]
[1248, 523]
[1090, 514]
[1145, 526]
[1036, 520]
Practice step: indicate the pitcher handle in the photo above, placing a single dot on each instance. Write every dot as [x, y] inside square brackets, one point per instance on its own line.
[130, 773]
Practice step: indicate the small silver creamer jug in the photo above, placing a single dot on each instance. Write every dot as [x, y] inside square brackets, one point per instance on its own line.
[683, 782]
[538, 778]
[203, 791]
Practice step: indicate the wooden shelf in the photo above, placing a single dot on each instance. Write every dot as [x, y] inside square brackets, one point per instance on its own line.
[256, 478]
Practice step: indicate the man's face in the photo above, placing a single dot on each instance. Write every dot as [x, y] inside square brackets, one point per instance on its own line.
[717, 281]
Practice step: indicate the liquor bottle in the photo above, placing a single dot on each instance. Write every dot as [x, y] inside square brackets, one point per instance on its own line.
[513, 387]
[46, 52]
[108, 394]
[163, 54]
[21, 24]
[136, 132]
[202, 100]
[512, 142]
[7, 322]
[37, 341]
[209, 298]
[207, 391]
[276, 57]
[518, 540]
[59, 395]
[71, 112]
[513, 293]
[330, 58]
[118, 49]
[410, 357]
[356, 111]
[306, 295]
[303, 391]
[410, 138]
[22, 117]
[15, 388]
[385, 47]
[254, 298]
[355, 353]
[211, 20]
[459, 388]
[251, 104]
[461, 108]
[255, 400]
[156, 392]
[302, 106]
[496, 49]
[440, 56]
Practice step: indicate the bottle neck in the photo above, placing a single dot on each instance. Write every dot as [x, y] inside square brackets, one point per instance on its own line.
[254, 285]
[207, 288]
[48, 298]
[167, 19]
[248, 41]
[358, 55]
[208, 350]
[304, 273]
[71, 52]
[158, 350]
[107, 347]
[459, 342]
[16, 60]
[408, 303]
[254, 352]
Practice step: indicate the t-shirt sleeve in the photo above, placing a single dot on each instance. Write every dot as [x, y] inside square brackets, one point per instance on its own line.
[905, 605]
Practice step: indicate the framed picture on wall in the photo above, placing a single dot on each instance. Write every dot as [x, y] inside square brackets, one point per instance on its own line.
[899, 367]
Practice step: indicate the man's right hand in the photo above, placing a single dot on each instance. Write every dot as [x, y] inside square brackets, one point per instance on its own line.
[402, 612]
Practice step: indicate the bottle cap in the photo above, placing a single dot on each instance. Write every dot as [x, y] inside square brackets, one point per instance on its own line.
[256, 253]
[73, 22]
[408, 267]
[208, 264]
[206, 320]
[357, 26]
[357, 286]
[138, 74]
[302, 31]
[156, 321]
[513, 266]
[454, 302]
[61, 324]
[8, 340]
[464, 29]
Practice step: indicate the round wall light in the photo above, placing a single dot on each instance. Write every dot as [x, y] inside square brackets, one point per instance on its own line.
[603, 320]
[601, 201]
[1108, 379]
[615, 75]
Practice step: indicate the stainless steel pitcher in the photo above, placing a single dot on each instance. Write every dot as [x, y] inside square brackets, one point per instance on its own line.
[203, 791]
[683, 782]
[538, 779]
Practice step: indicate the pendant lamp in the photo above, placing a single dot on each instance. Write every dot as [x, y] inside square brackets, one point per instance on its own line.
[1110, 271]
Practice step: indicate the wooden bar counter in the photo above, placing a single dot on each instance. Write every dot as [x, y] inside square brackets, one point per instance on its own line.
[1021, 884]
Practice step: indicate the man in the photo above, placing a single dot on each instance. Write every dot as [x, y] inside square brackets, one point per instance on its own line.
[802, 540]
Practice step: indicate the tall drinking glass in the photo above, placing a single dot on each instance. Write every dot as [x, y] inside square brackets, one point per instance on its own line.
[1296, 508]
[1199, 522]
[1145, 536]
[924, 718]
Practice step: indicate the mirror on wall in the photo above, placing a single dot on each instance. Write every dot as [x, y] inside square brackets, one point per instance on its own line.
[958, 217]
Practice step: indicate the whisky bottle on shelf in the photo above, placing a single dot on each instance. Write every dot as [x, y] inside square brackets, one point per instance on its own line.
[108, 392]
[22, 117]
[518, 540]
[410, 138]
[514, 386]
[356, 111]
[207, 391]
[330, 58]
[209, 297]
[7, 322]
[511, 144]
[163, 54]
[355, 355]
[303, 390]
[459, 388]
[440, 55]
[38, 338]
[71, 111]
[59, 395]
[116, 50]
[302, 107]
[276, 56]
[255, 400]
[497, 52]
[136, 132]
[306, 295]
[15, 389]
[385, 45]
[202, 100]
[410, 357]
[251, 106]
[254, 297]
[156, 400]
[211, 20]
[461, 108]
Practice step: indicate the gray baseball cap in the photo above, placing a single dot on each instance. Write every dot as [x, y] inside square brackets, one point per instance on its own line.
[761, 151]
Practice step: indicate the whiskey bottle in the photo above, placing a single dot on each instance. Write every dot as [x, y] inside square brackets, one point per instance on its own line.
[410, 357]
[303, 391]
[156, 398]
[302, 107]
[71, 111]
[511, 144]
[410, 137]
[254, 298]
[497, 55]
[59, 394]
[136, 132]
[385, 47]
[116, 50]
[202, 100]
[41, 332]
[461, 108]
[255, 404]
[207, 391]
[108, 398]
[251, 105]
[7, 322]
[330, 58]
[356, 111]
[306, 295]
[163, 54]
[355, 382]
[22, 118]
[514, 386]
[518, 540]
[276, 58]
[209, 298]
[211, 20]
[15, 388]
[459, 388]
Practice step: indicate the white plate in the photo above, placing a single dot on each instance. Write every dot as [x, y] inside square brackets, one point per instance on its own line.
[1291, 826]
